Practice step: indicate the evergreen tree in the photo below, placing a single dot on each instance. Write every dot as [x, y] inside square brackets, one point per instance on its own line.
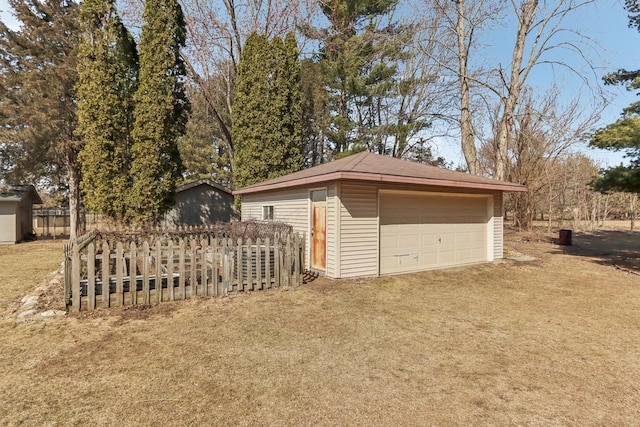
[624, 134]
[267, 111]
[161, 110]
[37, 99]
[202, 149]
[107, 70]
[358, 70]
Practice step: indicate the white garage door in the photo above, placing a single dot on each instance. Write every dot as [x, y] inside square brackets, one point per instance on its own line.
[419, 232]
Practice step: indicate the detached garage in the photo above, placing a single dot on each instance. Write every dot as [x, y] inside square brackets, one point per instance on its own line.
[370, 215]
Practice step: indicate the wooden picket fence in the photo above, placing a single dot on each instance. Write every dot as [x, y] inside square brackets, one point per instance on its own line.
[101, 272]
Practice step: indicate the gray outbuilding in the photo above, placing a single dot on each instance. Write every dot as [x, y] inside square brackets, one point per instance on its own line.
[199, 203]
[16, 212]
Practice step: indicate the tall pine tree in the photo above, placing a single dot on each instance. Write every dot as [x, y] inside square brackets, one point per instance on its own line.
[161, 110]
[37, 99]
[107, 70]
[358, 58]
[267, 111]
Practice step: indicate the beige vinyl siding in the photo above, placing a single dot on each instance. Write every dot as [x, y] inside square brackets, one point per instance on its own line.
[8, 222]
[358, 250]
[290, 206]
[333, 203]
[498, 226]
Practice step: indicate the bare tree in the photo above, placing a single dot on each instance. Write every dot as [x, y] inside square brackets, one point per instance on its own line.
[540, 31]
[545, 132]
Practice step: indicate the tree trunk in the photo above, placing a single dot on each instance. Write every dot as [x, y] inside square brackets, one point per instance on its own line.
[505, 127]
[466, 128]
[633, 199]
[76, 217]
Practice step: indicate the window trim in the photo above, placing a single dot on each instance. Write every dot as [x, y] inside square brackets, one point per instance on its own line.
[266, 215]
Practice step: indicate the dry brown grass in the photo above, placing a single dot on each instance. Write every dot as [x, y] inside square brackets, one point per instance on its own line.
[24, 266]
[555, 341]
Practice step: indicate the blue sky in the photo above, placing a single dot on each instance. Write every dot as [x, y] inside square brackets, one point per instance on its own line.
[606, 22]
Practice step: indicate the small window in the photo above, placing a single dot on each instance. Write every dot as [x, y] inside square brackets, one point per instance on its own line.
[267, 213]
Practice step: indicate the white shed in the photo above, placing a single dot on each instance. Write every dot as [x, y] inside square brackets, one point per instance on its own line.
[16, 212]
[370, 215]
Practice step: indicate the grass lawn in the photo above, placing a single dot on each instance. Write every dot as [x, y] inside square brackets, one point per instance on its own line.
[555, 341]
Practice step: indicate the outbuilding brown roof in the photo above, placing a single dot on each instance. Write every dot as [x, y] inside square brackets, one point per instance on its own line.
[372, 167]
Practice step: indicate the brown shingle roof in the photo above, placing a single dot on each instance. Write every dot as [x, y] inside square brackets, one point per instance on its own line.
[367, 166]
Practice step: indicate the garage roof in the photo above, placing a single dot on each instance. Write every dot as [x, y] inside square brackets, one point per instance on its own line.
[17, 193]
[372, 167]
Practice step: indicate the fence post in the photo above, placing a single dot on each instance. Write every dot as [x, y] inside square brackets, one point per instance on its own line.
[75, 278]
[67, 275]
[297, 261]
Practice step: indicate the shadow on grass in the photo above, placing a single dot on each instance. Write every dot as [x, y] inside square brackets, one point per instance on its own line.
[611, 247]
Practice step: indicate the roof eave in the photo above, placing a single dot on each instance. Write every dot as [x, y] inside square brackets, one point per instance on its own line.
[391, 179]
[198, 182]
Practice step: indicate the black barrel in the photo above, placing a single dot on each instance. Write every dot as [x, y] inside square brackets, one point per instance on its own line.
[564, 237]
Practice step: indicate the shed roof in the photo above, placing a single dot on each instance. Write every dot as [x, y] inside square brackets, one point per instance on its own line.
[198, 182]
[17, 193]
[372, 167]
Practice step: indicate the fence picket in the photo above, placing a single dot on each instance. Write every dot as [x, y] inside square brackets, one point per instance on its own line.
[259, 264]
[249, 262]
[194, 268]
[181, 279]
[267, 261]
[276, 265]
[170, 287]
[119, 270]
[239, 266]
[159, 270]
[91, 276]
[215, 274]
[133, 282]
[205, 270]
[226, 270]
[208, 266]
[145, 273]
[106, 264]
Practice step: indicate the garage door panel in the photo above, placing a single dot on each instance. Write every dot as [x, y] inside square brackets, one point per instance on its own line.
[423, 232]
